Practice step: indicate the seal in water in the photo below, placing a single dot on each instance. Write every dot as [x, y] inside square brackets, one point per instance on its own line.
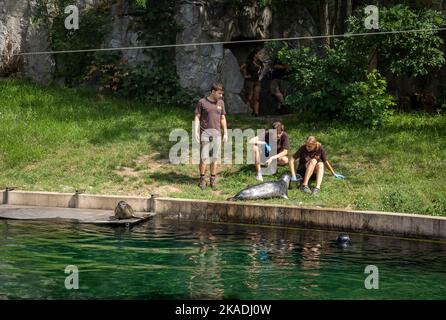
[265, 190]
[124, 211]
[343, 240]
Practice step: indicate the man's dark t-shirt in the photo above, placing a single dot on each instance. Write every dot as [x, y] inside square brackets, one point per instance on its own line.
[283, 142]
[304, 156]
[210, 114]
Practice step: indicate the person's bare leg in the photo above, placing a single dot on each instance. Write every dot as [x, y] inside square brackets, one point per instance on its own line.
[202, 168]
[256, 158]
[292, 170]
[283, 161]
[319, 174]
[280, 99]
[213, 168]
[256, 98]
[213, 179]
[250, 96]
[311, 165]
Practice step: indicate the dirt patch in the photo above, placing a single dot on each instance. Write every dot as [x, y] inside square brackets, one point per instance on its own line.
[126, 172]
[165, 190]
[151, 162]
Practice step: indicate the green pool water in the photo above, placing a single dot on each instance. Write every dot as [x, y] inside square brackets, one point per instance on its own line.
[165, 259]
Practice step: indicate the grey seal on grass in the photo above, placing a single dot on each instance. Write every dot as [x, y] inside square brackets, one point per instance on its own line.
[266, 190]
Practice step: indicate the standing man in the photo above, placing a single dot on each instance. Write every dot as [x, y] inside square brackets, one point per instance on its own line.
[209, 119]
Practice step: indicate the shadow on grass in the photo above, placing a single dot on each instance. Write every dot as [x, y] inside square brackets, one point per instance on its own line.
[173, 177]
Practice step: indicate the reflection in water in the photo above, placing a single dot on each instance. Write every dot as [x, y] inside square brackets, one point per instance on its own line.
[172, 259]
[311, 253]
[205, 279]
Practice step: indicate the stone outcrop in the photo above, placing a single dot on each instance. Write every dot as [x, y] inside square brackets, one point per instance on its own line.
[233, 81]
[19, 34]
[198, 66]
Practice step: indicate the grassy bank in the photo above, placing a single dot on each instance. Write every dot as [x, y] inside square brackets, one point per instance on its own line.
[55, 139]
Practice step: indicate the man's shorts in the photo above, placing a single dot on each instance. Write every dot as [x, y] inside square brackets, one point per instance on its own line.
[278, 86]
[210, 149]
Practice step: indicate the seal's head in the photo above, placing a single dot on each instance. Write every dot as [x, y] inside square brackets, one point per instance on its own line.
[343, 240]
[123, 210]
[286, 177]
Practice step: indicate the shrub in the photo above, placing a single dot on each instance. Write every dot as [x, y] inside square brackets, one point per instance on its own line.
[336, 85]
[410, 54]
[367, 101]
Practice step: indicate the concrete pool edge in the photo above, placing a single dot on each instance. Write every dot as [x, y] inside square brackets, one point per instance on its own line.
[384, 223]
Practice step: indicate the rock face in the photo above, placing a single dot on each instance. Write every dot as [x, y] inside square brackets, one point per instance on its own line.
[123, 36]
[215, 22]
[17, 35]
[233, 81]
[211, 24]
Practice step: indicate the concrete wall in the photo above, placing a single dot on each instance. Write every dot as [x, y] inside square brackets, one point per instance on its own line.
[396, 224]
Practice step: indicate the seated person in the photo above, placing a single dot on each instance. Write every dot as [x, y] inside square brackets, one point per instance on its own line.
[264, 141]
[312, 158]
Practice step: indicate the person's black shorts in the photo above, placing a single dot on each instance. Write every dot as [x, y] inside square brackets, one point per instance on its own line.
[302, 171]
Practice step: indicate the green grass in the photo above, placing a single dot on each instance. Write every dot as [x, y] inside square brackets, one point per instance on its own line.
[58, 139]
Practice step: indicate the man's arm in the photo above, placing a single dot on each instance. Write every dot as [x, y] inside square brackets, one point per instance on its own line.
[328, 165]
[225, 128]
[279, 66]
[243, 71]
[277, 156]
[197, 127]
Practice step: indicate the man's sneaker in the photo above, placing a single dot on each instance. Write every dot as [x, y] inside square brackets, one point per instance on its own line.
[202, 183]
[316, 191]
[305, 189]
[213, 182]
[259, 176]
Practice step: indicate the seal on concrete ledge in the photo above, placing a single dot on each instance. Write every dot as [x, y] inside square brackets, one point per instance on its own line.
[266, 190]
[124, 211]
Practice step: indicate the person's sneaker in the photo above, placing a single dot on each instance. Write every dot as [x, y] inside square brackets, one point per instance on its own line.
[213, 183]
[202, 183]
[316, 191]
[259, 176]
[305, 189]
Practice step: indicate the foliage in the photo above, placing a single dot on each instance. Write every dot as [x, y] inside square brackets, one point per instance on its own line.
[158, 25]
[94, 25]
[407, 53]
[336, 85]
[339, 83]
[367, 101]
[138, 80]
